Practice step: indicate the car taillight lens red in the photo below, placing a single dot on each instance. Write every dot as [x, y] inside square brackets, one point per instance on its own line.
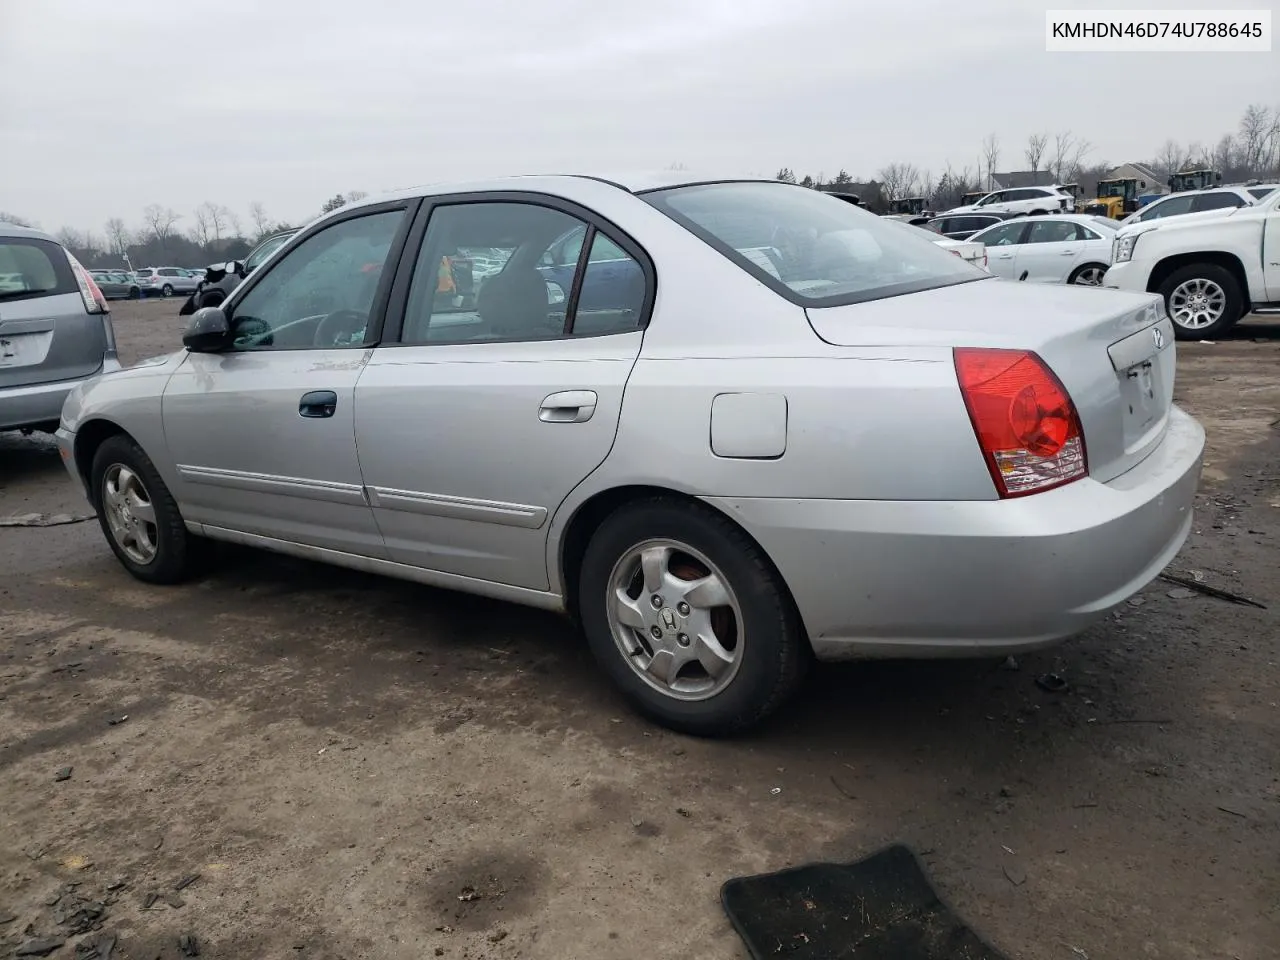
[94, 301]
[1026, 424]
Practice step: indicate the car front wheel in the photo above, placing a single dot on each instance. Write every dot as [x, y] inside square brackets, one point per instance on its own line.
[139, 516]
[688, 617]
[1203, 300]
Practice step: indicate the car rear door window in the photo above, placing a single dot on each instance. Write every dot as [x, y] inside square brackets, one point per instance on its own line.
[31, 268]
[1167, 208]
[1216, 201]
[1002, 236]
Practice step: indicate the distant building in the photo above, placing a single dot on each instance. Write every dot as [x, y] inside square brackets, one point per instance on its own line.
[1148, 180]
[1021, 178]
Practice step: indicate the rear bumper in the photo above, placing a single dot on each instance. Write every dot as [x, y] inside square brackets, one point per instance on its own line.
[978, 578]
[42, 402]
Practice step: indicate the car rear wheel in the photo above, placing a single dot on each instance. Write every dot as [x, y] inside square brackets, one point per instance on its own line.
[688, 617]
[139, 516]
[1088, 275]
[1203, 300]
[167, 290]
[135, 293]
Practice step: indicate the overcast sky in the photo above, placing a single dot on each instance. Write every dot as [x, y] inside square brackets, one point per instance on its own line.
[106, 107]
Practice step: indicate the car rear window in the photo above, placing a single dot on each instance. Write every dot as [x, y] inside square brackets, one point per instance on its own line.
[813, 249]
[32, 268]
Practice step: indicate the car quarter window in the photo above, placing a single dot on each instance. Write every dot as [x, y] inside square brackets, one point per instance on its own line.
[507, 270]
[1052, 231]
[321, 293]
[1003, 235]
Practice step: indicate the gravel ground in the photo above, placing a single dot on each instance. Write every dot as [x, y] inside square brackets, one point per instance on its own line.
[353, 767]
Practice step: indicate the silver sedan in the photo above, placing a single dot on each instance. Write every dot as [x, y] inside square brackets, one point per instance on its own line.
[730, 426]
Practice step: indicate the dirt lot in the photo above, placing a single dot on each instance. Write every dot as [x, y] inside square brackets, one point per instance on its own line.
[354, 767]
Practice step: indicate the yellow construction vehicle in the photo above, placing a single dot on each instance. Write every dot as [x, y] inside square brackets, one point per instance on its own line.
[1116, 198]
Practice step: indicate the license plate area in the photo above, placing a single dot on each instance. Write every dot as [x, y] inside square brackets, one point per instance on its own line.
[1144, 365]
[24, 349]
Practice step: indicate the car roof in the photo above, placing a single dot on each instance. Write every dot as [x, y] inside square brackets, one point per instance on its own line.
[632, 182]
[27, 233]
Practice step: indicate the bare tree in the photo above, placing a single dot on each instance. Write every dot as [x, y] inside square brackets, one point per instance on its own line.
[991, 154]
[899, 180]
[1171, 158]
[785, 175]
[1225, 156]
[233, 222]
[117, 235]
[1034, 153]
[261, 222]
[202, 230]
[354, 195]
[927, 185]
[17, 221]
[214, 217]
[1257, 128]
[159, 221]
[71, 238]
[1067, 156]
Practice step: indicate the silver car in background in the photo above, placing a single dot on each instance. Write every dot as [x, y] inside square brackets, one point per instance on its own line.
[744, 424]
[55, 328]
[166, 281]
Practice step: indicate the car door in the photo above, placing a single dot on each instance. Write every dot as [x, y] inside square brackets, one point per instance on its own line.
[262, 434]
[1002, 244]
[491, 408]
[995, 201]
[1050, 251]
[1271, 254]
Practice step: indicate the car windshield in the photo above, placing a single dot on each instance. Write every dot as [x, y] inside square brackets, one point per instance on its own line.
[813, 249]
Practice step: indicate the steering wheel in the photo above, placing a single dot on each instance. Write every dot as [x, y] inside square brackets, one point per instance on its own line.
[339, 327]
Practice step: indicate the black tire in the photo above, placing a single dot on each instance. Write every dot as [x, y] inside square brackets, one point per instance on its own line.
[135, 293]
[774, 650]
[167, 290]
[1233, 308]
[1075, 274]
[179, 554]
[1038, 213]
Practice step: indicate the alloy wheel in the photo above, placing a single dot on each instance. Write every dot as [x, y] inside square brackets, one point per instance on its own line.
[675, 619]
[1197, 303]
[130, 514]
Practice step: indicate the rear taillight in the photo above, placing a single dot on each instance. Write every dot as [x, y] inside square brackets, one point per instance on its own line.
[1026, 424]
[94, 301]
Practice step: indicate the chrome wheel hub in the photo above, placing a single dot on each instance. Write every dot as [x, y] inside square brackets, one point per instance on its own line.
[130, 515]
[1197, 304]
[675, 619]
[1091, 277]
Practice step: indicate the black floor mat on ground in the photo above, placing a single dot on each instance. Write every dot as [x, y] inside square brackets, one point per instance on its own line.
[880, 908]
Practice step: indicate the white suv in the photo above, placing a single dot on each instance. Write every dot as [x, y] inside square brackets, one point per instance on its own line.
[1028, 200]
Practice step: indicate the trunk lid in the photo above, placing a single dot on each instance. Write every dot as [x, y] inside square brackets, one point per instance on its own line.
[1113, 351]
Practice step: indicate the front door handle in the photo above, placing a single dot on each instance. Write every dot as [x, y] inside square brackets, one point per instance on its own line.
[568, 406]
[318, 404]
[1004, 256]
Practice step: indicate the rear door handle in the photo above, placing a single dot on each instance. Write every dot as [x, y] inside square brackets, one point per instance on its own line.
[568, 406]
[318, 404]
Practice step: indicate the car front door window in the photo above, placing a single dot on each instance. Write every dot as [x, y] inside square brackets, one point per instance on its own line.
[1168, 208]
[321, 294]
[1004, 235]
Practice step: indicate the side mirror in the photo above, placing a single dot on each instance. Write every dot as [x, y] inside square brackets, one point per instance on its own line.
[208, 332]
[236, 267]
